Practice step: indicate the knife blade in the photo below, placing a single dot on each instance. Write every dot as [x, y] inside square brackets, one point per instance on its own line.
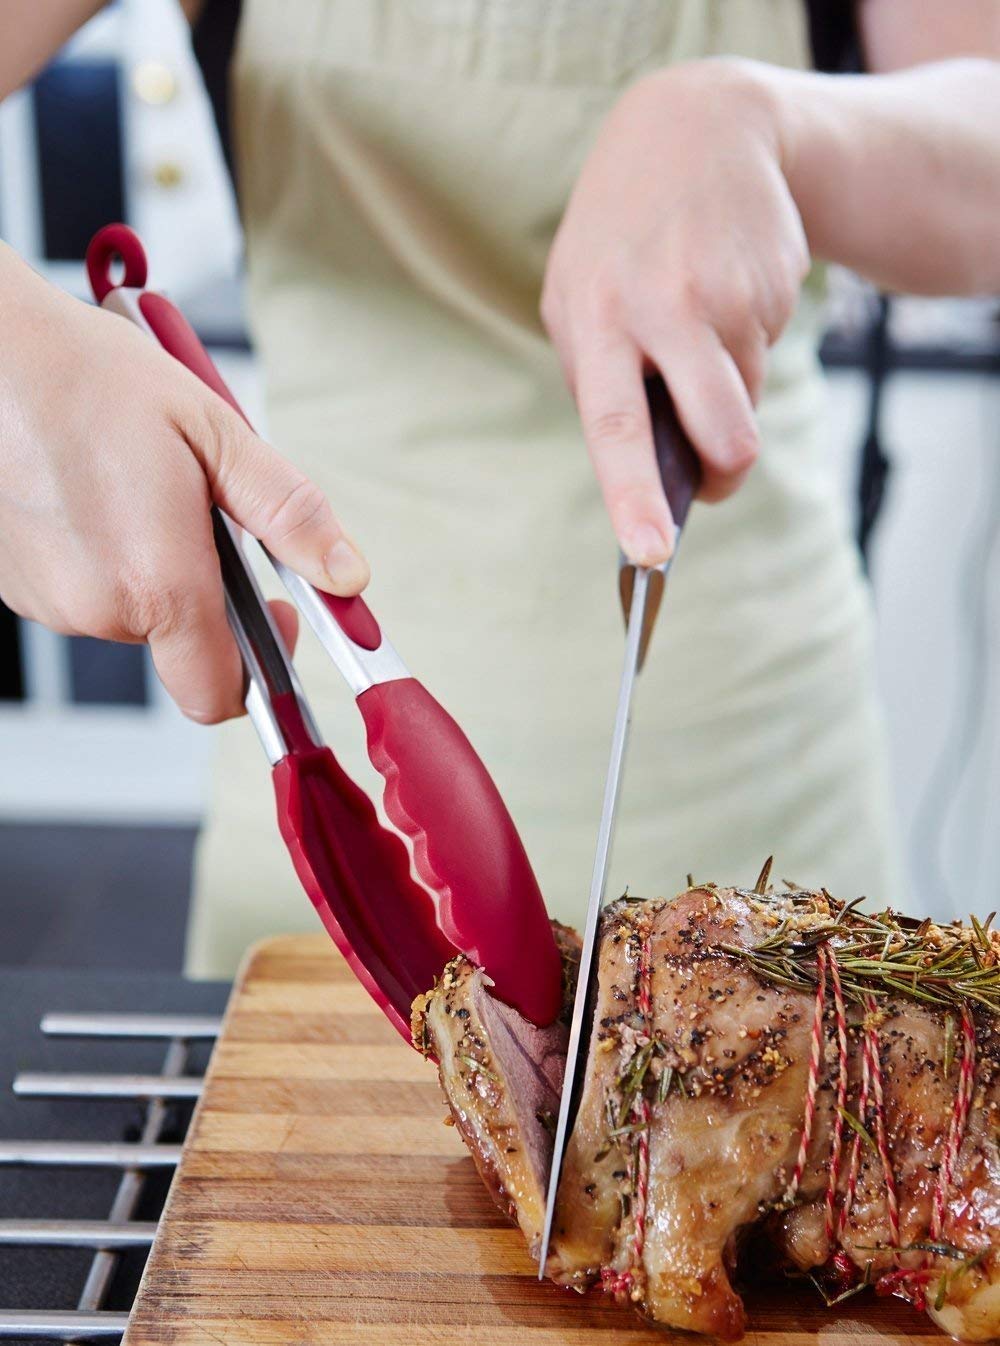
[641, 591]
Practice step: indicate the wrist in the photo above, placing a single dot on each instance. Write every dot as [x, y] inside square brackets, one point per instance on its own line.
[817, 135]
[729, 91]
[771, 99]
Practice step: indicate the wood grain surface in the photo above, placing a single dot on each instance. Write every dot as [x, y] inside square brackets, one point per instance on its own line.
[322, 1200]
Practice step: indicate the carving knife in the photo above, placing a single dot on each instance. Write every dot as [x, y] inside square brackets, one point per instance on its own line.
[641, 591]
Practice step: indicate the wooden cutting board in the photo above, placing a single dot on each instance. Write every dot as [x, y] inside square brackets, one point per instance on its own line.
[322, 1200]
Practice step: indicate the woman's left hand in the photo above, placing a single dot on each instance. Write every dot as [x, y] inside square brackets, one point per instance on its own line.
[681, 250]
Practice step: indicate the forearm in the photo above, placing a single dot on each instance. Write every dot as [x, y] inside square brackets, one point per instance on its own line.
[34, 32]
[897, 176]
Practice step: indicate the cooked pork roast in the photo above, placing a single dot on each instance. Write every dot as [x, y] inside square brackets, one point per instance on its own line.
[762, 1066]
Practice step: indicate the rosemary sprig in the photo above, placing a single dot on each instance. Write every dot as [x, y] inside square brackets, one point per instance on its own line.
[857, 1126]
[632, 1082]
[878, 954]
[831, 1300]
[762, 878]
[628, 1129]
[478, 1068]
[949, 1044]
[981, 933]
[945, 1250]
[948, 1278]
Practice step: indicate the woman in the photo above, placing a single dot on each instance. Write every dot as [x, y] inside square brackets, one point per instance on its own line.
[415, 179]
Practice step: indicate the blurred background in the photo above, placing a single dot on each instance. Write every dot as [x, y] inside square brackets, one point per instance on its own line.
[102, 782]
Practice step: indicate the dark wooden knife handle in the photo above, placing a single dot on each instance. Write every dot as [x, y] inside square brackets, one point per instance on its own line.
[680, 470]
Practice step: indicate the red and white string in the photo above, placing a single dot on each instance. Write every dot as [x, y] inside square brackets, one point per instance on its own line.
[622, 1283]
[871, 1111]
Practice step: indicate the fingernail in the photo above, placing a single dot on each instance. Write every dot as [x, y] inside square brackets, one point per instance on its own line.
[346, 567]
[645, 545]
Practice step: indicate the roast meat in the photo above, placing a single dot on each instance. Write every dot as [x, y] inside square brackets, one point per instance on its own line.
[762, 1066]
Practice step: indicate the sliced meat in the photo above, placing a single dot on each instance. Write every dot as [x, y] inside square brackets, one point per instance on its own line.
[502, 1077]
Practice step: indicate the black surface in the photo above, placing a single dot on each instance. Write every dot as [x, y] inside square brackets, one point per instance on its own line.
[78, 133]
[47, 1278]
[852, 351]
[93, 896]
[833, 35]
[106, 673]
[875, 467]
[11, 678]
[213, 38]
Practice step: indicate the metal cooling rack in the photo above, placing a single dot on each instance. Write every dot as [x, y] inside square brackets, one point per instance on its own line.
[118, 1232]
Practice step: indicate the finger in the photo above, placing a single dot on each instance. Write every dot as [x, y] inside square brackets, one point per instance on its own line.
[553, 314]
[195, 654]
[714, 407]
[287, 621]
[749, 354]
[614, 413]
[275, 502]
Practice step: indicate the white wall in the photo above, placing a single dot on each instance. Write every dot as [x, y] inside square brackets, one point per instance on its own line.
[936, 572]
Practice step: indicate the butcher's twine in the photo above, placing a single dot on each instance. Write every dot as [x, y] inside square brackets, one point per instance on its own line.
[836, 1151]
[911, 1282]
[627, 1283]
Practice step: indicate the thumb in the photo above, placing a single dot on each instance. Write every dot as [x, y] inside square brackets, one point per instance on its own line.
[275, 502]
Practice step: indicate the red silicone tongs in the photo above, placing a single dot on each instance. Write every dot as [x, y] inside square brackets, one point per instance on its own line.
[470, 888]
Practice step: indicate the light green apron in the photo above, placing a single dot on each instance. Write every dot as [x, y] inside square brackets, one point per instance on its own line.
[403, 165]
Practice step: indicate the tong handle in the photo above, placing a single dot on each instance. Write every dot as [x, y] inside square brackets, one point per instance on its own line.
[680, 470]
[246, 608]
[273, 697]
[117, 242]
[272, 693]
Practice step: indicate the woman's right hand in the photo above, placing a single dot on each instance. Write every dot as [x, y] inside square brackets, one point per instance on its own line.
[111, 454]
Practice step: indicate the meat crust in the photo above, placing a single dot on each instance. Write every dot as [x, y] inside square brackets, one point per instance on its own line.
[717, 1100]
